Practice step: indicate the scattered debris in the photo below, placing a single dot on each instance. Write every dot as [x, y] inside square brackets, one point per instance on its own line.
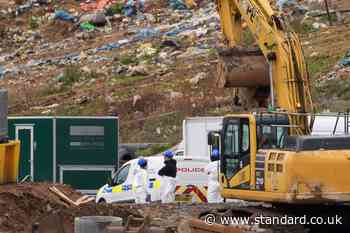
[96, 19]
[65, 16]
[177, 4]
[198, 78]
[346, 60]
[80, 201]
[98, 5]
[317, 25]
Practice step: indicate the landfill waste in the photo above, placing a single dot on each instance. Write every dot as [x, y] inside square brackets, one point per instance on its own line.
[345, 61]
[131, 7]
[201, 22]
[64, 15]
[96, 19]
[177, 5]
[114, 9]
[317, 25]
[170, 43]
[87, 26]
[200, 76]
[284, 3]
[2, 71]
[146, 50]
[146, 33]
[341, 70]
[27, 6]
[191, 3]
[98, 5]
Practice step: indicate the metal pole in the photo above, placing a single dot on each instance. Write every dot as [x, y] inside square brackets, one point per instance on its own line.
[336, 124]
[271, 86]
[347, 121]
[329, 15]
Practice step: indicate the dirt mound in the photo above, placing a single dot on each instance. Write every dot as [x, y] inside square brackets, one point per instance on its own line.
[23, 204]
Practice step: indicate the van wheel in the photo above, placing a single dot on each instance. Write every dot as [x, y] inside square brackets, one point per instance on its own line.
[102, 201]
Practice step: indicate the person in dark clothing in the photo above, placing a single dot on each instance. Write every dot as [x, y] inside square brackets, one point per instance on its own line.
[169, 169]
[168, 181]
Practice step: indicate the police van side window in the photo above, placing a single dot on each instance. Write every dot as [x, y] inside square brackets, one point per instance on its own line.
[122, 175]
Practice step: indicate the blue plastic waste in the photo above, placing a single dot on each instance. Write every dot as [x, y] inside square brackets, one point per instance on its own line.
[63, 15]
[131, 7]
[177, 5]
[73, 58]
[108, 47]
[346, 60]
[146, 33]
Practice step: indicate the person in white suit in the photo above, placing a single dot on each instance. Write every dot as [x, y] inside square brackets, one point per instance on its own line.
[212, 169]
[140, 183]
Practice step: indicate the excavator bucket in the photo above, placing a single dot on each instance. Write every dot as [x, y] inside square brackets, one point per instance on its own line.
[241, 67]
[247, 71]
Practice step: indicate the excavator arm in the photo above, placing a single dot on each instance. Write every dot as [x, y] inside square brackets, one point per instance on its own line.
[289, 79]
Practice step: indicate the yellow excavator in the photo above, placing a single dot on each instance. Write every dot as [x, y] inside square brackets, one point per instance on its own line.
[271, 156]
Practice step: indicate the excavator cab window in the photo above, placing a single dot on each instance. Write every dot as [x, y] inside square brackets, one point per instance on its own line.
[270, 137]
[236, 146]
[214, 142]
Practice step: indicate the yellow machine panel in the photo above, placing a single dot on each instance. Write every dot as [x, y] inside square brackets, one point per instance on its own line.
[9, 162]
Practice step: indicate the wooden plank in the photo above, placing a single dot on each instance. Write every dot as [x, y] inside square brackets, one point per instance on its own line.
[62, 196]
[83, 198]
[89, 199]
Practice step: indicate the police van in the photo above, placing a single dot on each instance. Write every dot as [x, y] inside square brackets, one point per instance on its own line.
[191, 181]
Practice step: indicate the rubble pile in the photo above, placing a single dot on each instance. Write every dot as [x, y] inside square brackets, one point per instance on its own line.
[24, 205]
[341, 69]
[314, 12]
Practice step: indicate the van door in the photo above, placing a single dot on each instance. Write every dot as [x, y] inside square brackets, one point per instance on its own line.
[191, 180]
[122, 185]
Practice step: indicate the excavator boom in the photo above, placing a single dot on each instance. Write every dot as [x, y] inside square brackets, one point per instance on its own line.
[289, 80]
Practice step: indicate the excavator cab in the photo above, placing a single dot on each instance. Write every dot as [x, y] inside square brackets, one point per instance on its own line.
[238, 143]
[260, 161]
[241, 137]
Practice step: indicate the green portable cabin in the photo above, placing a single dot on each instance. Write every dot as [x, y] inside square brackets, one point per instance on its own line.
[79, 151]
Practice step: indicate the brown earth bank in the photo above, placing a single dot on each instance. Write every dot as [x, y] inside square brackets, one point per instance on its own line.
[23, 205]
